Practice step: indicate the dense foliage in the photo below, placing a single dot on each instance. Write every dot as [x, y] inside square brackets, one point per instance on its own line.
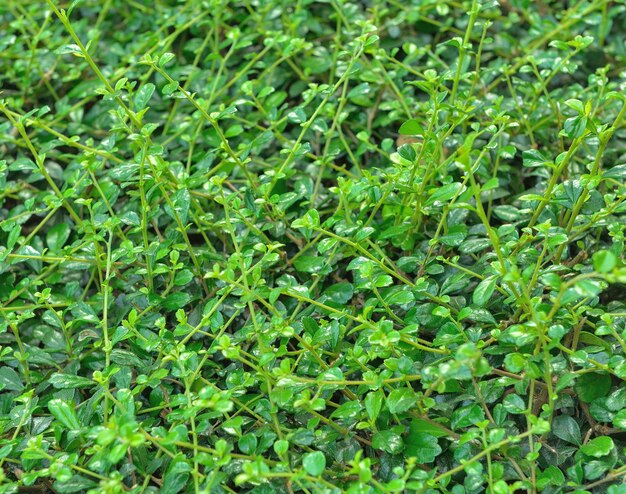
[278, 246]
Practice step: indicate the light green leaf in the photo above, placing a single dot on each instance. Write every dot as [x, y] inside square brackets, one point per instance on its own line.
[411, 128]
[65, 413]
[373, 404]
[598, 447]
[484, 290]
[314, 463]
[401, 400]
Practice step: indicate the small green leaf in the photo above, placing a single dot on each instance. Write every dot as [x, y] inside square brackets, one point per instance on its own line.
[484, 290]
[183, 277]
[180, 202]
[165, 58]
[604, 261]
[65, 413]
[143, 95]
[176, 475]
[566, 428]
[247, 443]
[373, 404]
[533, 158]
[443, 194]
[70, 49]
[57, 236]
[314, 463]
[401, 400]
[68, 381]
[421, 446]
[513, 403]
[575, 127]
[388, 441]
[281, 447]
[169, 88]
[310, 220]
[176, 301]
[620, 419]
[309, 264]
[340, 293]
[422, 425]
[598, 447]
[10, 380]
[411, 128]
[467, 416]
[592, 385]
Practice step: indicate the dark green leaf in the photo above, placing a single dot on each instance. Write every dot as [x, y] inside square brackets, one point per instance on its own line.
[592, 385]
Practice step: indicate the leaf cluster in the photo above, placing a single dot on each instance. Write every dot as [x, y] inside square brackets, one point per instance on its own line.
[312, 246]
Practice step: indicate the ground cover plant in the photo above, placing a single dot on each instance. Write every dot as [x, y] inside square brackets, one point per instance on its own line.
[279, 246]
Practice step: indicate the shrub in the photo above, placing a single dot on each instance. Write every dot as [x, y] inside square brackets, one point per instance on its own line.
[332, 246]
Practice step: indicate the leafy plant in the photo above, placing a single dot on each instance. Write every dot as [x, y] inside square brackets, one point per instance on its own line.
[313, 246]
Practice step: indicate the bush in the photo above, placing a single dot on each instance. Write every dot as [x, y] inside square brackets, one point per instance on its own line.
[313, 246]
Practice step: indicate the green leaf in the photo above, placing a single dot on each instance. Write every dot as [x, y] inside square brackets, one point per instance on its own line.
[340, 293]
[398, 296]
[588, 288]
[281, 447]
[310, 220]
[176, 475]
[443, 194]
[176, 301]
[247, 444]
[466, 416]
[617, 172]
[513, 403]
[408, 153]
[411, 128]
[568, 193]
[143, 95]
[183, 277]
[422, 425]
[13, 237]
[10, 380]
[575, 127]
[388, 441]
[57, 236]
[165, 58]
[70, 49]
[373, 404]
[598, 447]
[455, 236]
[326, 244]
[314, 463]
[533, 158]
[620, 419]
[484, 290]
[72, 6]
[347, 410]
[550, 476]
[68, 381]
[309, 264]
[180, 202]
[169, 88]
[421, 446]
[604, 261]
[401, 400]
[592, 385]
[360, 95]
[566, 428]
[65, 413]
